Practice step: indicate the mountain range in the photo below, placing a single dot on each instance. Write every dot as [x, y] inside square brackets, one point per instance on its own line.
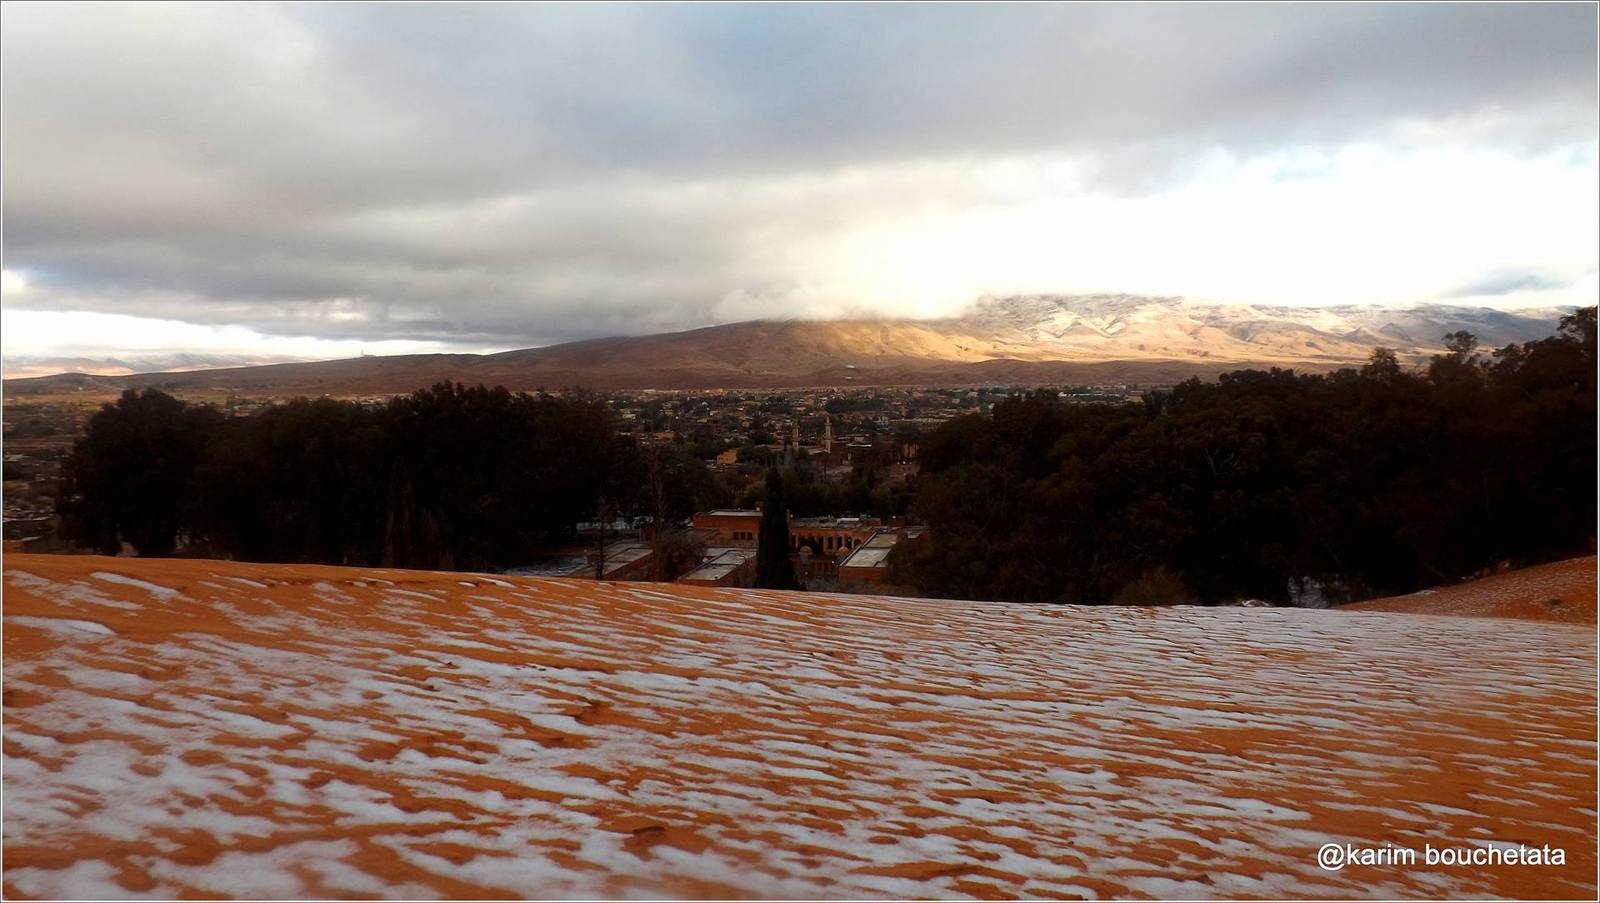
[21, 366]
[1092, 339]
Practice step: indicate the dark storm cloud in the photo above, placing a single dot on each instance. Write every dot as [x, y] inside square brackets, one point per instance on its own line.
[523, 174]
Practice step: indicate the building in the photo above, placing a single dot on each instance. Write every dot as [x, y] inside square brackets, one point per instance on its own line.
[817, 544]
[867, 568]
[738, 527]
[830, 538]
[724, 567]
[623, 562]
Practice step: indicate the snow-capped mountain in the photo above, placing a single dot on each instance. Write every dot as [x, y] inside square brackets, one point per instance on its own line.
[1033, 339]
[1071, 327]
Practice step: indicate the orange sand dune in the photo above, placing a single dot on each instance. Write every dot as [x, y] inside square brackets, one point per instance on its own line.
[199, 728]
[1563, 591]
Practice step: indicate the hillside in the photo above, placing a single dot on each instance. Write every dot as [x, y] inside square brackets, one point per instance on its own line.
[1037, 339]
[1563, 591]
[189, 728]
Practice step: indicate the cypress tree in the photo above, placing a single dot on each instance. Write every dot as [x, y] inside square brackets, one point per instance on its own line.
[773, 569]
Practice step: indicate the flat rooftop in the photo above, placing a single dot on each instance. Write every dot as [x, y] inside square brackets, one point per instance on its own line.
[721, 565]
[867, 556]
[617, 557]
[874, 553]
[841, 523]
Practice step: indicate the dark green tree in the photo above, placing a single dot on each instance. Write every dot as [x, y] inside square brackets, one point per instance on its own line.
[412, 538]
[126, 479]
[1381, 364]
[773, 567]
[1270, 485]
[299, 482]
[487, 478]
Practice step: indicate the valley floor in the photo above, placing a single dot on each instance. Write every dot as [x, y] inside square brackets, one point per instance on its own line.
[178, 728]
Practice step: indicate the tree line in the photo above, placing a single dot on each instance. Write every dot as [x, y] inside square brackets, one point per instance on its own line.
[1276, 485]
[450, 476]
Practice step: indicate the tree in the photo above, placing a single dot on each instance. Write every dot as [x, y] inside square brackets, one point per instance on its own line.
[678, 552]
[1460, 342]
[676, 485]
[1381, 364]
[605, 513]
[412, 539]
[299, 482]
[1461, 367]
[773, 568]
[1579, 326]
[1364, 482]
[448, 475]
[1157, 587]
[755, 454]
[126, 479]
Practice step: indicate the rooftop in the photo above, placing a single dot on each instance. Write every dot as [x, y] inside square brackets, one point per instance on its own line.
[867, 556]
[189, 728]
[843, 523]
[617, 556]
[720, 565]
[884, 539]
[874, 553]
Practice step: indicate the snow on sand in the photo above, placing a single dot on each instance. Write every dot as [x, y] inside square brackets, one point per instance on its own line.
[184, 728]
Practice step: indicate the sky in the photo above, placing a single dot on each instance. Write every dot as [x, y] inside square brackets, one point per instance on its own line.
[327, 180]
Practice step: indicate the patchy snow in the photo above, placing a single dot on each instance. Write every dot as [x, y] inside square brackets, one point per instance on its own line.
[327, 733]
[160, 592]
[76, 594]
[61, 625]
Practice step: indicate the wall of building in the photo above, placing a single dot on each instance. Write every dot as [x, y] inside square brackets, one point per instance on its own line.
[729, 528]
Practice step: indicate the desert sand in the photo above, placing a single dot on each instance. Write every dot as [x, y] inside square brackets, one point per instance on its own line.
[188, 728]
[1563, 592]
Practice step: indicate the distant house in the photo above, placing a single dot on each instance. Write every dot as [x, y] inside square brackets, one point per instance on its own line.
[867, 568]
[622, 562]
[818, 544]
[729, 526]
[724, 567]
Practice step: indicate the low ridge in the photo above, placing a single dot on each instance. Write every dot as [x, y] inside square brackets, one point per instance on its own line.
[1092, 339]
[1563, 591]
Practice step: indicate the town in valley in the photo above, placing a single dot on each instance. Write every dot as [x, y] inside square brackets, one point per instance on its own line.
[834, 435]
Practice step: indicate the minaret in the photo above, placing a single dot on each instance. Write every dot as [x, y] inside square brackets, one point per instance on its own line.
[794, 435]
[827, 435]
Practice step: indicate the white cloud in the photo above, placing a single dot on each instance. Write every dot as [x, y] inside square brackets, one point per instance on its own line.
[505, 176]
[12, 285]
[90, 334]
[1356, 225]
